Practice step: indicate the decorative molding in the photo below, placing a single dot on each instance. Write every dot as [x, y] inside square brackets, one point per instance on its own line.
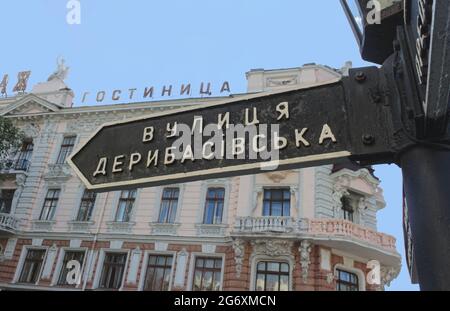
[330, 278]
[43, 225]
[49, 262]
[120, 227]
[208, 248]
[180, 271]
[277, 176]
[339, 191]
[388, 274]
[239, 253]
[161, 246]
[210, 230]
[75, 243]
[134, 265]
[282, 81]
[31, 130]
[115, 244]
[9, 249]
[271, 247]
[80, 226]
[164, 229]
[58, 171]
[305, 260]
[257, 192]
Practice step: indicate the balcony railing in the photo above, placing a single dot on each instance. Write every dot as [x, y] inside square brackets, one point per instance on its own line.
[265, 224]
[14, 165]
[8, 223]
[313, 228]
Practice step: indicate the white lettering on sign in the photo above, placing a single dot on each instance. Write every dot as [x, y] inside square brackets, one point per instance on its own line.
[234, 139]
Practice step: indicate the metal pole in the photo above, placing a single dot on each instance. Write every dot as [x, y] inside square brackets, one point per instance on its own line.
[426, 177]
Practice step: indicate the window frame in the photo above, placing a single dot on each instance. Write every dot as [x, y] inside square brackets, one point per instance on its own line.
[60, 266]
[215, 199]
[170, 212]
[361, 274]
[126, 200]
[53, 210]
[62, 145]
[23, 160]
[82, 199]
[351, 209]
[3, 201]
[338, 281]
[101, 265]
[146, 264]
[255, 259]
[277, 273]
[192, 261]
[143, 271]
[282, 189]
[22, 262]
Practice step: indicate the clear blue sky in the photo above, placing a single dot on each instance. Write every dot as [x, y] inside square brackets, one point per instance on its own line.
[137, 43]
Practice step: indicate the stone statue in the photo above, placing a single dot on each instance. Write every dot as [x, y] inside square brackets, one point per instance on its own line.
[61, 71]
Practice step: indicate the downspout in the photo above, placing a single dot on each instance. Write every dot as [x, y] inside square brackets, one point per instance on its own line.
[94, 242]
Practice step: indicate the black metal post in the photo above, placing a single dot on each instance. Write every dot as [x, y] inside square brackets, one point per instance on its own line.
[426, 177]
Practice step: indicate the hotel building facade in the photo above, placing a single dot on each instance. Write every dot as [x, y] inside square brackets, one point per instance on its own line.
[303, 229]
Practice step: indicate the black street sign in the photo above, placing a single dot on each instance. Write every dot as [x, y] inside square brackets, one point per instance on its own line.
[428, 31]
[311, 126]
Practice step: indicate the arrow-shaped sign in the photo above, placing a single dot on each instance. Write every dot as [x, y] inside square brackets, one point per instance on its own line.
[246, 135]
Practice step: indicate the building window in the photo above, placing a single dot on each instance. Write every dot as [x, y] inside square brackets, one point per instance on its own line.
[23, 160]
[51, 200]
[113, 270]
[32, 266]
[277, 202]
[169, 202]
[126, 202]
[214, 206]
[69, 256]
[346, 281]
[272, 276]
[157, 277]
[207, 274]
[86, 205]
[350, 205]
[66, 149]
[6, 198]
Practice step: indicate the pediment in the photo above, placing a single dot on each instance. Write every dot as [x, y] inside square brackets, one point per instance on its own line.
[30, 104]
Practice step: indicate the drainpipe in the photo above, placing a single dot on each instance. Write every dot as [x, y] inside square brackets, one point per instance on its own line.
[94, 242]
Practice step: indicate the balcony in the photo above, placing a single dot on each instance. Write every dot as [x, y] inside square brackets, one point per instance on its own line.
[265, 225]
[8, 223]
[10, 166]
[320, 229]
